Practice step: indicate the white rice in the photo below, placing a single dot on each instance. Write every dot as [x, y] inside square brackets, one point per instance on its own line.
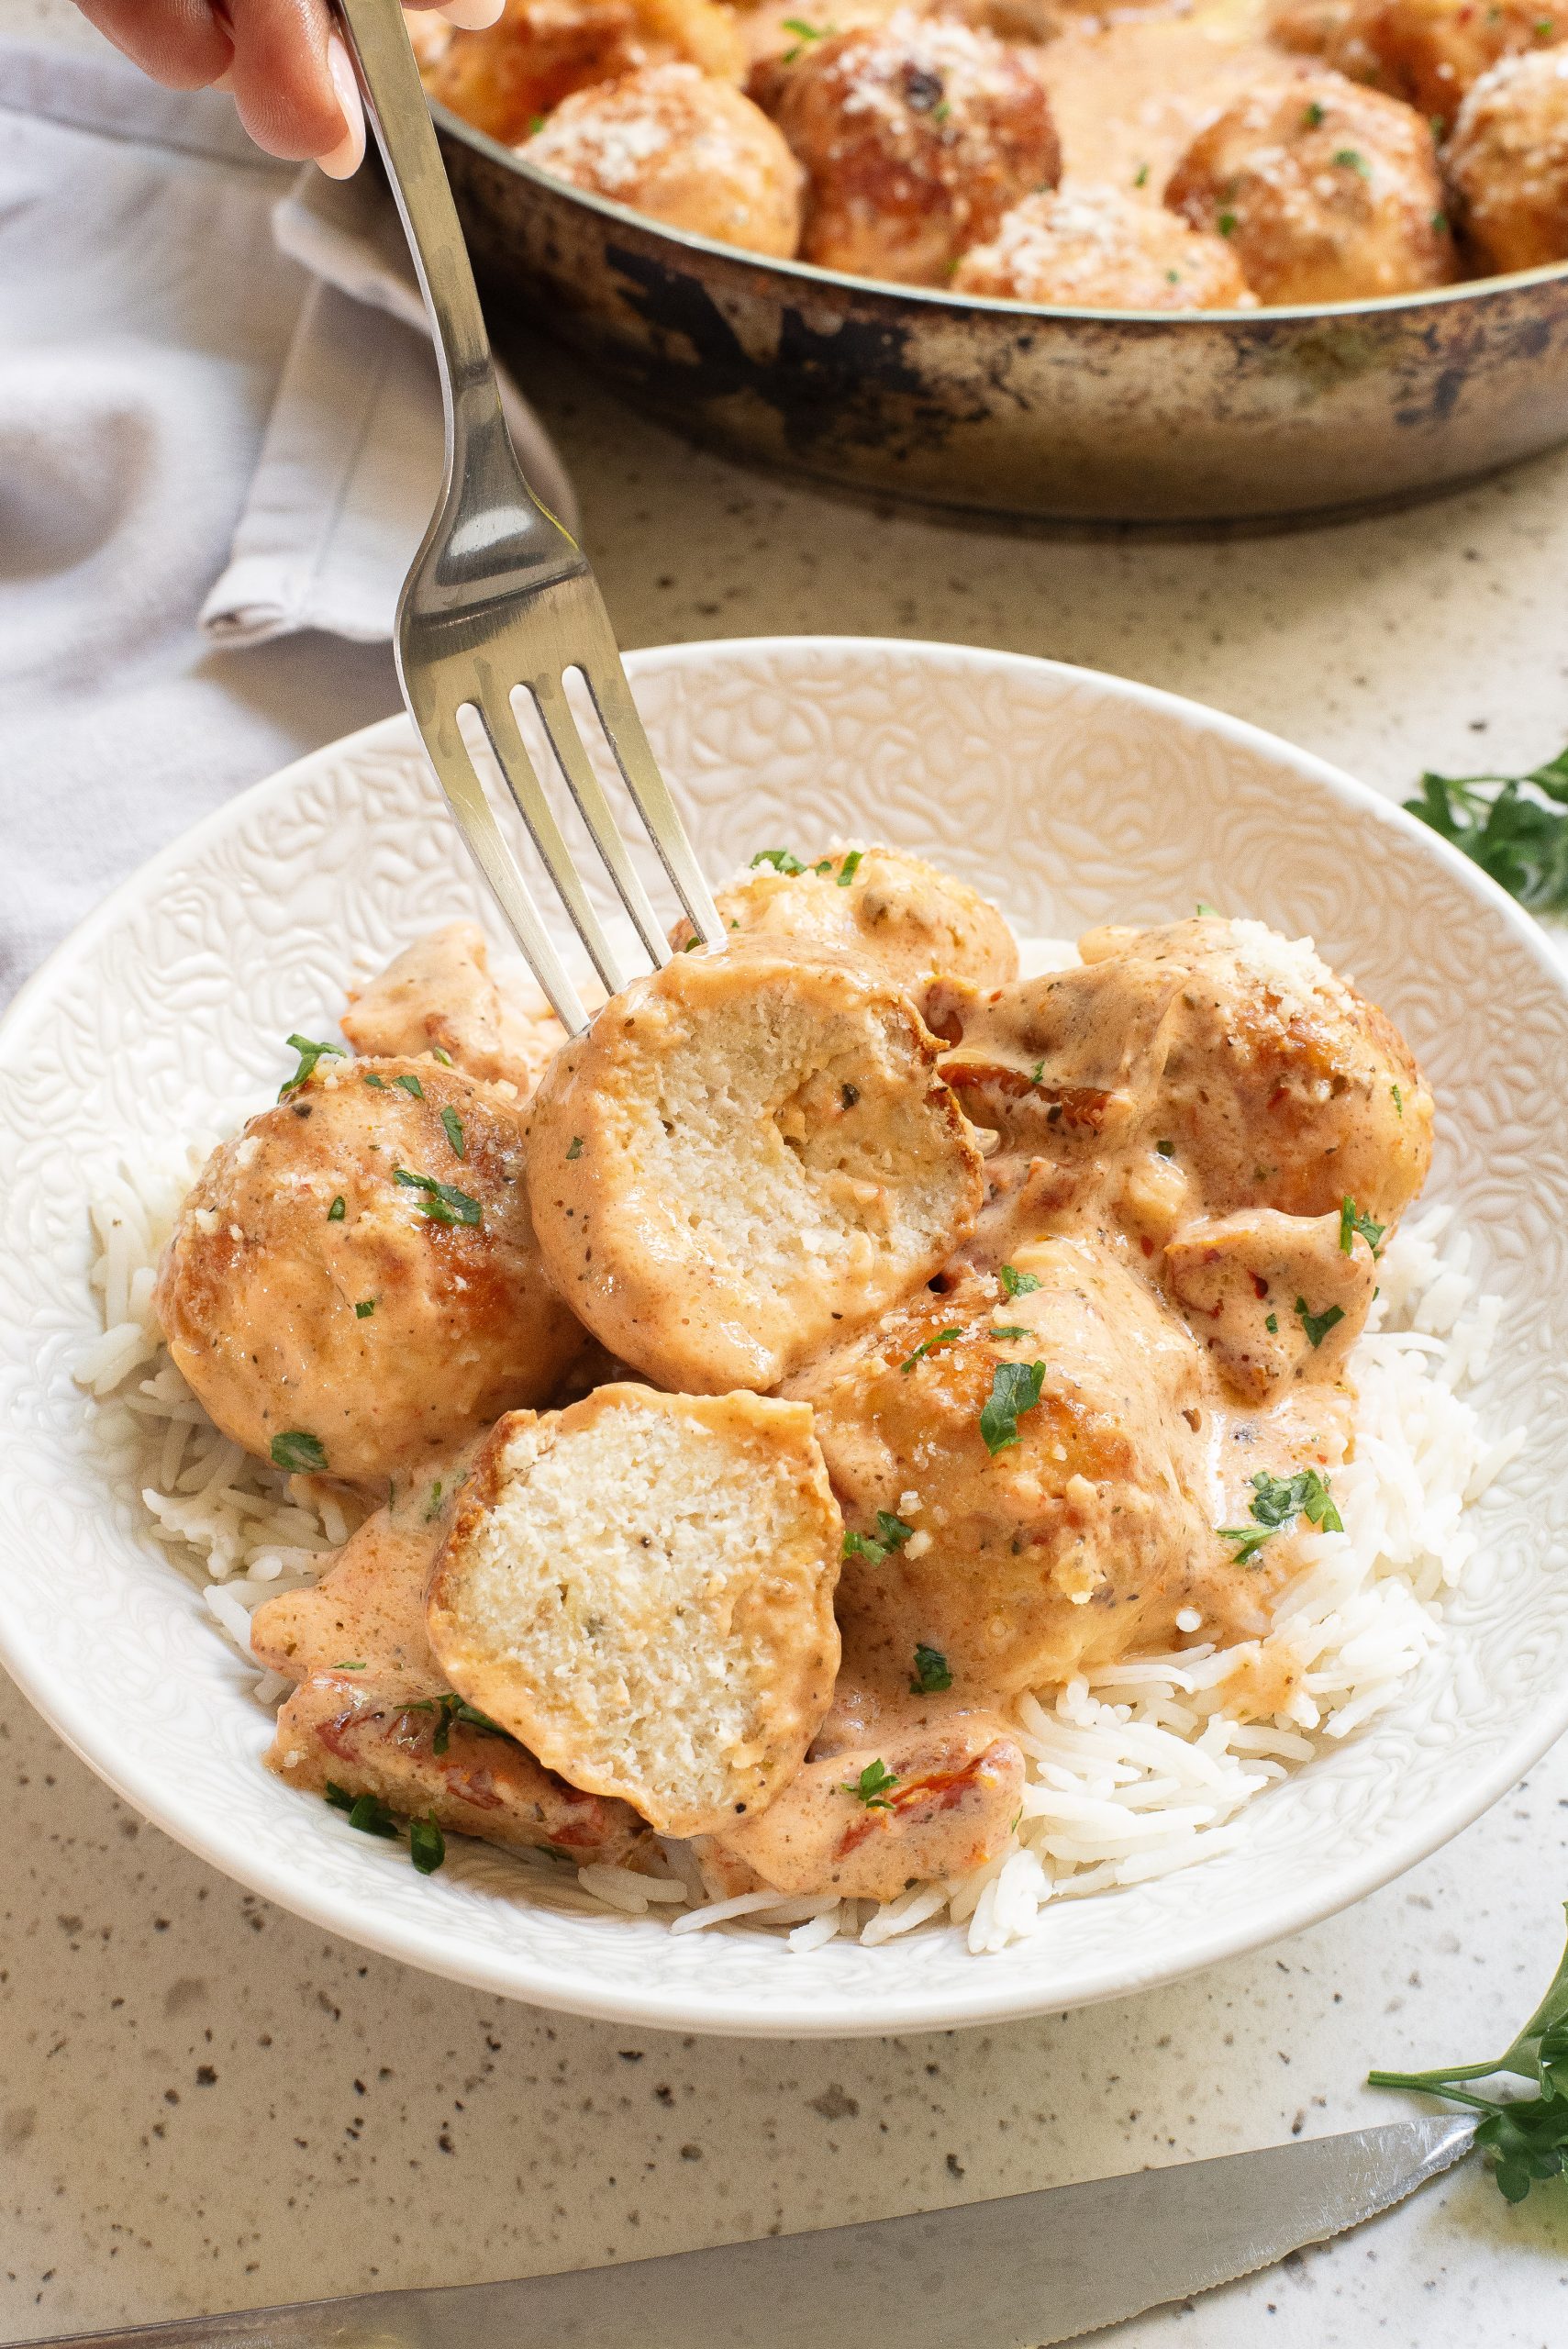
[1134, 1770]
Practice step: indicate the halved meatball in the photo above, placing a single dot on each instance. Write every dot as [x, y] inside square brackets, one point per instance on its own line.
[1508, 162]
[683, 147]
[640, 1589]
[743, 1158]
[354, 1284]
[916, 136]
[1325, 190]
[1097, 248]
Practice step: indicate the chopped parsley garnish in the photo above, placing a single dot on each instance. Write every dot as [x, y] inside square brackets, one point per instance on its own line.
[929, 1345]
[410, 1084]
[349, 1667]
[1166, 1149]
[367, 1812]
[453, 1126]
[1008, 1331]
[376, 1083]
[1439, 223]
[440, 1201]
[364, 1308]
[433, 1506]
[849, 867]
[1399, 1101]
[1017, 1284]
[872, 1786]
[299, 1453]
[1513, 827]
[449, 1708]
[1204, 911]
[1352, 1220]
[1317, 1325]
[1312, 116]
[933, 1673]
[575, 1148]
[1277, 1502]
[1271, 1325]
[891, 1534]
[779, 858]
[1350, 161]
[1524, 2138]
[309, 1054]
[1226, 224]
[1140, 177]
[439, 1051]
[1015, 1389]
[338, 1210]
[427, 1844]
[1036, 1074]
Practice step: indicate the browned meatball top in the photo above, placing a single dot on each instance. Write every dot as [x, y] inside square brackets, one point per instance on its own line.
[1508, 162]
[1327, 193]
[354, 1284]
[683, 147]
[916, 136]
[1430, 52]
[1097, 248]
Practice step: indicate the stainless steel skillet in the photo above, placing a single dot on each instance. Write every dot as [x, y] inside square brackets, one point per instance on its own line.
[1080, 414]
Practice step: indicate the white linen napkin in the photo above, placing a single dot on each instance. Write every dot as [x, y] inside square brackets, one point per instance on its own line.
[351, 465]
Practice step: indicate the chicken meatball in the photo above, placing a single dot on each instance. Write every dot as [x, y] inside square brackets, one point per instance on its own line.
[1036, 1458]
[885, 911]
[917, 137]
[1312, 27]
[1326, 191]
[683, 147]
[1430, 52]
[1279, 1085]
[504, 79]
[354, 1284]
[1095, 248]
[741, 1158]
[440, 996]
[1508, 162]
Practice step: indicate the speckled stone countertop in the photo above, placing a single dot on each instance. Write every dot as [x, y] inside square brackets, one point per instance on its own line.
[203, 2103]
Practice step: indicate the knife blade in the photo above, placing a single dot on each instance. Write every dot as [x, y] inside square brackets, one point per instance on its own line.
[1023, 2271]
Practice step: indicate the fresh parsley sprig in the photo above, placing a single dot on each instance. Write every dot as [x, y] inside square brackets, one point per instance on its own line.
[1352, 1220]
[873, 1786]
[427, 1844]
[1524, 2138]
[309, 1054]
[1514, 826]
[932, 1672]
[1015, 1389]
[929, 1345]
[443, 1202]
[1277, 1504]
[891, 1534]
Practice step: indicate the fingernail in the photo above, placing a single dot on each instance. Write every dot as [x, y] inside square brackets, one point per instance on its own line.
[341, 163]
[473, 16]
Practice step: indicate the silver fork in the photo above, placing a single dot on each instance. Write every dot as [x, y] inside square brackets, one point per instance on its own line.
[500, 597]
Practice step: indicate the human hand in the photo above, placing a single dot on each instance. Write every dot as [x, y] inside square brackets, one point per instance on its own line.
[284, 60]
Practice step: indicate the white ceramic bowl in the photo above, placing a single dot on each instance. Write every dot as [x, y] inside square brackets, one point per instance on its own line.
[1072, 798]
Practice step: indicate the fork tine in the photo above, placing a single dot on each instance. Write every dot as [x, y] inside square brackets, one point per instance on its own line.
[634, 755]
[548, 693]
[500, 724]
[465, 795]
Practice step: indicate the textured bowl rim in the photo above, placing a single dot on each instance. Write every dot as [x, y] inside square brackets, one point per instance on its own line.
[814, 2011]
[817, 281]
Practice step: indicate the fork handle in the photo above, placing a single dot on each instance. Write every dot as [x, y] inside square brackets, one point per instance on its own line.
[479, 448]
